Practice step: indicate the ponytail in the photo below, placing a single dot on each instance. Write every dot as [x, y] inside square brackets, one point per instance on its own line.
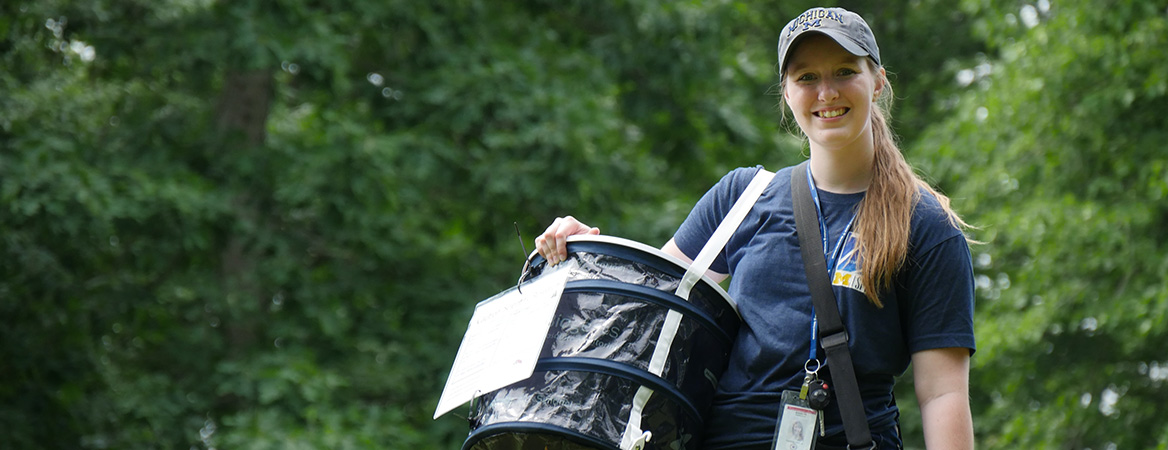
[884, 216]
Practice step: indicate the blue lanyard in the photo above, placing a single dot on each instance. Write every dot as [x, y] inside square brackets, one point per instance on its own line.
[832, 258]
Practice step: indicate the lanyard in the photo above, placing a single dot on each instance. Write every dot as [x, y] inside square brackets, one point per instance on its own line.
[832, 258]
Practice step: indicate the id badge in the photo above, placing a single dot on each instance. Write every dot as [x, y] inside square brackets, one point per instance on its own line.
[795, 429]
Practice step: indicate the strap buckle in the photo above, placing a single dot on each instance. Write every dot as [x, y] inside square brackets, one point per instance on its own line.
[835, 339]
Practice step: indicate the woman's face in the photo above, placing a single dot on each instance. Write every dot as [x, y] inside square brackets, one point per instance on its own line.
[831, 92]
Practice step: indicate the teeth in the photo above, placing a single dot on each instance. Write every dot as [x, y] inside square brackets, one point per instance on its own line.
[832, 113]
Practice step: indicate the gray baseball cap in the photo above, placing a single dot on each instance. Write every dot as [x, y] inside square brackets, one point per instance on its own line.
[846, 28]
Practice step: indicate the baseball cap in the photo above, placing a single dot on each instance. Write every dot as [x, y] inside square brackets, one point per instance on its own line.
[846, 28]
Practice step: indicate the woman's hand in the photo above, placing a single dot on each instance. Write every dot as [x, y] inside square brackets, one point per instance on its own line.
[553, 243]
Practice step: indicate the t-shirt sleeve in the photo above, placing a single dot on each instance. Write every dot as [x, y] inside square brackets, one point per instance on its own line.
[704, 218]
[939, 283]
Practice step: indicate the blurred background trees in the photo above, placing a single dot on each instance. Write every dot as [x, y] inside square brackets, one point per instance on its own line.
[265, 224]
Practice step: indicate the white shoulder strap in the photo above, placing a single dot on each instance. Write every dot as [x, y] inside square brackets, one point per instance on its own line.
[722, 234]
[634, 437]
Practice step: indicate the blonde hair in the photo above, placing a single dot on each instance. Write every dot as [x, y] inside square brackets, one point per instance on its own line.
[884, 216]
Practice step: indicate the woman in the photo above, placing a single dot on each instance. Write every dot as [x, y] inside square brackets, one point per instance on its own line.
[900, 263]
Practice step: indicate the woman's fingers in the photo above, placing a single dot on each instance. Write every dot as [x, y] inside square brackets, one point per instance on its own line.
[545, 243]
[557, 237]
[553, 243]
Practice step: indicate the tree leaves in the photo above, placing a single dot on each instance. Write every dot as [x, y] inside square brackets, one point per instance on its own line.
[168, 282]
[1059, 173]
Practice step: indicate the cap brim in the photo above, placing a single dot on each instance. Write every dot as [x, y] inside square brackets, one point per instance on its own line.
[846, 42]
[840, 38]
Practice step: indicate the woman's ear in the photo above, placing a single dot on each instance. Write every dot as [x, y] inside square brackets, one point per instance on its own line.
[879, 84]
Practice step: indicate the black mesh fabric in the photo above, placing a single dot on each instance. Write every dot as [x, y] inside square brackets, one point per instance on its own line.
[596, 356]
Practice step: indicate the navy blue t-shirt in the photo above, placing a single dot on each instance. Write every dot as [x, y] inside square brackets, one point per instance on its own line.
[930, 306]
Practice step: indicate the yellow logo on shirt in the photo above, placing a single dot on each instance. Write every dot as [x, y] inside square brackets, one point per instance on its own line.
[847, 269]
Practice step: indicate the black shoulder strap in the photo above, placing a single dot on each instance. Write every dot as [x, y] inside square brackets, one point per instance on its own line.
[832, 333]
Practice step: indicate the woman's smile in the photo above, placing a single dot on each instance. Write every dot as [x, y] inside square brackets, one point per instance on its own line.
[831, 113]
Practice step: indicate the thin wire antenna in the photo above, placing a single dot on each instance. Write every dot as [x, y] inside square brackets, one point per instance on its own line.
[520, 236]
[526, 262]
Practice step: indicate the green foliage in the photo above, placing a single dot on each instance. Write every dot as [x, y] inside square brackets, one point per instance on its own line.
[265, 224]
[1055, 150]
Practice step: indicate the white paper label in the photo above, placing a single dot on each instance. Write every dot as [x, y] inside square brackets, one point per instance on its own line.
[503, 339]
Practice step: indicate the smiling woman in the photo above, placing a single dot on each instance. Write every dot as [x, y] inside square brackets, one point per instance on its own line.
[900, 269]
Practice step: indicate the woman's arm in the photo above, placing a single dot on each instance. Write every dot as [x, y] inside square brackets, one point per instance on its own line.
[671, 248]
[941, 377]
